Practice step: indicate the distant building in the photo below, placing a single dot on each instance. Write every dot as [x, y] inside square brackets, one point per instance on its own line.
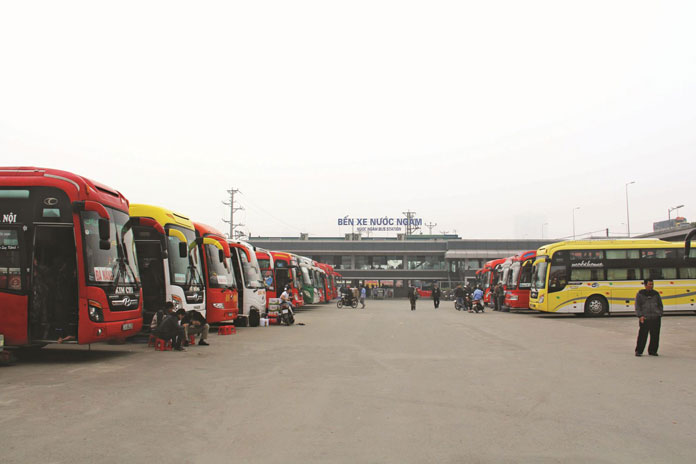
[669, 224]
[393, 262]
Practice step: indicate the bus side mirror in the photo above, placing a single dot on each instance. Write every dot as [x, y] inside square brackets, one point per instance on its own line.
[221, 256]
[183, 250]
[104, 244]
[104, 230]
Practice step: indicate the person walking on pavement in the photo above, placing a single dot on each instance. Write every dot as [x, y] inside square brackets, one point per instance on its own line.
[436, 296]
[412, 296]
[363, 295]
[649, 310]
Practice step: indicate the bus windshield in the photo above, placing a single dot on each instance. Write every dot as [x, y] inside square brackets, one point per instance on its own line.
[252, 274]
[187, 271]
[513, 275]
[539, 275]
[118, 264]
[306, 277]
[220, 274]
[297, 278]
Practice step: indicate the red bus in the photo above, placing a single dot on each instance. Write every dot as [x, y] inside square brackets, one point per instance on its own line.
[220, 285]
[68, 269]
[286, 271]
[330, 290]
[490, 275]
[519, 282]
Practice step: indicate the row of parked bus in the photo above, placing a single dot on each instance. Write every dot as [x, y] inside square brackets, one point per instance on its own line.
[78, 262]
[594, 277]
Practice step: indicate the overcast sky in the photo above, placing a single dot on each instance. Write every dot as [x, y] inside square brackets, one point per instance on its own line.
[488, 118]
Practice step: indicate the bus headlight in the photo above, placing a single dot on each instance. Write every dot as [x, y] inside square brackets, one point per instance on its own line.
[218, 306]
[95, 312]
[541, 299]
[177, 302]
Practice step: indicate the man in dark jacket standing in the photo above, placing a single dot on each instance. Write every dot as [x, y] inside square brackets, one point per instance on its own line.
[412, 296]
[436, 296]
[649, 310]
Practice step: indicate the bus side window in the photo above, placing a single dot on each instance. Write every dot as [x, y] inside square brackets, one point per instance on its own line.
[687, 273]
[558, 278]
[10, 266]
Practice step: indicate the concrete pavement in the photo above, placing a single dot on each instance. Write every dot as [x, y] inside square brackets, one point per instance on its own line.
[383, 384]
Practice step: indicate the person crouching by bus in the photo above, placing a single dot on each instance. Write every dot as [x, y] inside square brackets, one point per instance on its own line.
[285, 298]
[194, 323]
[649, 310]
[170, 329]
[159, 316]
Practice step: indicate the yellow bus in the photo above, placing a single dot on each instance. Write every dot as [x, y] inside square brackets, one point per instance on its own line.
[169, 260]
[597, 277]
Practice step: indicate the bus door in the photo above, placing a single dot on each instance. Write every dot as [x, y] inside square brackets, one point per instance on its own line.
[53, 301]
[151, 267]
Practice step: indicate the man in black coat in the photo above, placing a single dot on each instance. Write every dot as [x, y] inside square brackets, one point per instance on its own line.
[436, 296]
[170, 329]
[649, 310]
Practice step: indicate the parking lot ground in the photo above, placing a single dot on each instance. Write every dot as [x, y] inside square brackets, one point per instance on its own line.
[379, 385]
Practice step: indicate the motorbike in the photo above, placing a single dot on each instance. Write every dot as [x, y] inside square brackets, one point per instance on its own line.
[287, 315]
[346, 301]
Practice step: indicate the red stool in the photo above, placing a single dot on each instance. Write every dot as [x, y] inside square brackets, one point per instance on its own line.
[161, 345]
[225, 330]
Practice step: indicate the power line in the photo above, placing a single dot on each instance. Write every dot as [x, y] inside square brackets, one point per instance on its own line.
[246, 200]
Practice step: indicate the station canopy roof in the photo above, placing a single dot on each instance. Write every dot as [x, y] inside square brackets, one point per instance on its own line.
[485, 254]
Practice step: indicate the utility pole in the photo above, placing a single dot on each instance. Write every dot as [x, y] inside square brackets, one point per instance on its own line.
[409, 227]
[430, 226]
[233, 208]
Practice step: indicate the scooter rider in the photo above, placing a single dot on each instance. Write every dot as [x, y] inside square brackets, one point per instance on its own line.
[286, 299]
[459, 295]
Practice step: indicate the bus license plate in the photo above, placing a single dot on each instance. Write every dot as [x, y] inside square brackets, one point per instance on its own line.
[127, 326]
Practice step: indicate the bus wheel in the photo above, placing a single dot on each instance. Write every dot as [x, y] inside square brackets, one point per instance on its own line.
[254, 318]
[595, 306]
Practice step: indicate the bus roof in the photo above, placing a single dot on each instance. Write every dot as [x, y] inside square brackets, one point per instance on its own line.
[604, 244]
[525, 256]
[282, 255]
[204, 230]
[75, 186]
[162, 215]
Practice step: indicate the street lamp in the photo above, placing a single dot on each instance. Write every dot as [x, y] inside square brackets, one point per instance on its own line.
[542, 229]
[577, 207]
[669, 211]
[628, 221]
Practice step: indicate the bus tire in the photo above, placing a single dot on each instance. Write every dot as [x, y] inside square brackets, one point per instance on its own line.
[254, 318]
[596, 305]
